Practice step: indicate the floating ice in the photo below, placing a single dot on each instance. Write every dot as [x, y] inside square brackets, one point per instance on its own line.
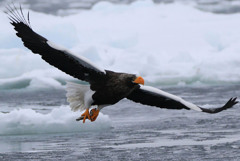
[167, 44]
[59, 120]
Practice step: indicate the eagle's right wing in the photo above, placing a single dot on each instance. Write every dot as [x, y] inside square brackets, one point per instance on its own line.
[155, 97]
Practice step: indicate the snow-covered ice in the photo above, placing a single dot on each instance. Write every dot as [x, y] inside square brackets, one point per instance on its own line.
[167, 44]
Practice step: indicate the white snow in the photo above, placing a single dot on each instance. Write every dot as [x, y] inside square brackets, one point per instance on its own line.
[59, 120]
[166, 44]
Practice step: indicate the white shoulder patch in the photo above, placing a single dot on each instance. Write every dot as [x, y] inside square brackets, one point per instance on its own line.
[57, 47]
[171, 96]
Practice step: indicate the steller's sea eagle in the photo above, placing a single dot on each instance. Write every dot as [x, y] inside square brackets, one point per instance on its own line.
[106, 87]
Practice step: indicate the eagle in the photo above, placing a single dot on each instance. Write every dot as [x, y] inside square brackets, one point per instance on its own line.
[105, 87]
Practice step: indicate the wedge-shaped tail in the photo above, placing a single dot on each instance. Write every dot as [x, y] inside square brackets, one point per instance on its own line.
[79, 96]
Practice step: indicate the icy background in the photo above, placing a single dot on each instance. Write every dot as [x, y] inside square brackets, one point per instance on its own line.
[175, 46]
[168, 44]
[66, 7]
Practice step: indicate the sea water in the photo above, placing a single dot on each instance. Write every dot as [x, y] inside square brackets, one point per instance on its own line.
[41, 126]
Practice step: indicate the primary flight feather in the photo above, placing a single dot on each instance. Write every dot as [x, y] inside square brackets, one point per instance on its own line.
[106, 87]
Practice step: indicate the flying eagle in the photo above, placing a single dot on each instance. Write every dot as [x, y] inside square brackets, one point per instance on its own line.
[105, 87]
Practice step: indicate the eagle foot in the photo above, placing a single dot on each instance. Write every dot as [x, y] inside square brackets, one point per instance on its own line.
[94, 114]
[85, 115]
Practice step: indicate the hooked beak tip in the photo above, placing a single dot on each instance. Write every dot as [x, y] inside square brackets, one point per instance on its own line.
[139, 80]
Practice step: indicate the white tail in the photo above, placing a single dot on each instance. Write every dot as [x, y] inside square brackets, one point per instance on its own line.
[79, 96]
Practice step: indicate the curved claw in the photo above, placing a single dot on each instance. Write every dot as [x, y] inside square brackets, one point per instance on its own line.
[93, 115]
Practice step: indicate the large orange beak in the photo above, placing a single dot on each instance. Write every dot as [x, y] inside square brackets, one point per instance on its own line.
[139, 80]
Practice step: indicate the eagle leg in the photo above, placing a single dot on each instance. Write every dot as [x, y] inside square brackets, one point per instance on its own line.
[94, 114]
[86, 115]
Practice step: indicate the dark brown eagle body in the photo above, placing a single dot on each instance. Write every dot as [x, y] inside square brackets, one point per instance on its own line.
[114, 87]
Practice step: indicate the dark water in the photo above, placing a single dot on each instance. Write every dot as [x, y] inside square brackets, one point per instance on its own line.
[138, 132]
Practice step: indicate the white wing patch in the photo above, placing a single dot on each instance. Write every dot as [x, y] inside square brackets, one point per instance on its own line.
[80, 57]
[171, 96]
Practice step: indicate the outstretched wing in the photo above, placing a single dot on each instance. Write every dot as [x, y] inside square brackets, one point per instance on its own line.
[76, 66]
[155, 97]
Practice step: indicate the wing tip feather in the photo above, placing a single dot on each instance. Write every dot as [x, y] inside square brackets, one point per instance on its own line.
[230, 103]
[16, 15]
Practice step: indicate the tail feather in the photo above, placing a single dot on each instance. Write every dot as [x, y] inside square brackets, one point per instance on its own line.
[76, 96]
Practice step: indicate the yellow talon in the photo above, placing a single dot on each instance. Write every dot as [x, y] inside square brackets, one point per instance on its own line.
[86, 115]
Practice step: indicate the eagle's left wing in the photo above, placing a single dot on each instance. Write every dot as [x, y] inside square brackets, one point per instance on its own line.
[155, 97]
[76, 66]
